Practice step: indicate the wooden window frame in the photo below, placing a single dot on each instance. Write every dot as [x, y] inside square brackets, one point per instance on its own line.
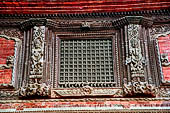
[115, 91]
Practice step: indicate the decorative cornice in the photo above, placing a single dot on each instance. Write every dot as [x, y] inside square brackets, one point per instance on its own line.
[140, 20]
[64, 24]
[37, 22]
[118, 23]
[164, 12]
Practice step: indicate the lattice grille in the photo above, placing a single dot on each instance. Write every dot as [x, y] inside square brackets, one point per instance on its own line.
[86, 62]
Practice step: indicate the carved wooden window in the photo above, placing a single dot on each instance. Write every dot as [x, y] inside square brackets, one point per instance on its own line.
[86, 62]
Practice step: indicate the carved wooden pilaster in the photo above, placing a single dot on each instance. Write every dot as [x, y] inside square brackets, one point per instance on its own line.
[136, 82]
[35, 86]
[38, 65]
[37, 53]
[135, 58]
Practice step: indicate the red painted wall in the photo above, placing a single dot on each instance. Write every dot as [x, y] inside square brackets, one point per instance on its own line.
[164, 47]
[6, 49]
[91, 104]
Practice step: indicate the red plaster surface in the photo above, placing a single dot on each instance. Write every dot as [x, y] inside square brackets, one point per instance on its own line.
[5, 76]
[124, 104]
[79, 6]
[164, 47]
[6, 49]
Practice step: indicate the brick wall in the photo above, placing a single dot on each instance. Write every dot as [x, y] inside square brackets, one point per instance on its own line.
[6, 49]
[164, 48]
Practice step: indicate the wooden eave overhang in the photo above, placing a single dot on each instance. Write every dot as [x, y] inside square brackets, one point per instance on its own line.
[79, 6]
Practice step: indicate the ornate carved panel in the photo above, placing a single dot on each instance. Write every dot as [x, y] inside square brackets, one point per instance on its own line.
[159, 29]
[37, 53]
[86, 91]
[135, 58]
[11, 32]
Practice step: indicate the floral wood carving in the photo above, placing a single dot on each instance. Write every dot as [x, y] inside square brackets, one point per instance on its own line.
[11, 32]
[165, 60]
[156, 30]
[135, 59]
[37, 51]
[136, 88]
[34, 89]
[136, 62]
[164, 92]
[8, 94]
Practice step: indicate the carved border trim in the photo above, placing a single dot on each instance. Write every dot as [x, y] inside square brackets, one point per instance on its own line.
[17, 45]
[86, 91]
[159, 29]
[95, 111]
[86, 100]
[87, 15]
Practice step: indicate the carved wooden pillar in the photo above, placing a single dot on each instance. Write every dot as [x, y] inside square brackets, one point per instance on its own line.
[138, 81]
[134, 56]
[36, 74]
[137, 76]
[37, 54]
